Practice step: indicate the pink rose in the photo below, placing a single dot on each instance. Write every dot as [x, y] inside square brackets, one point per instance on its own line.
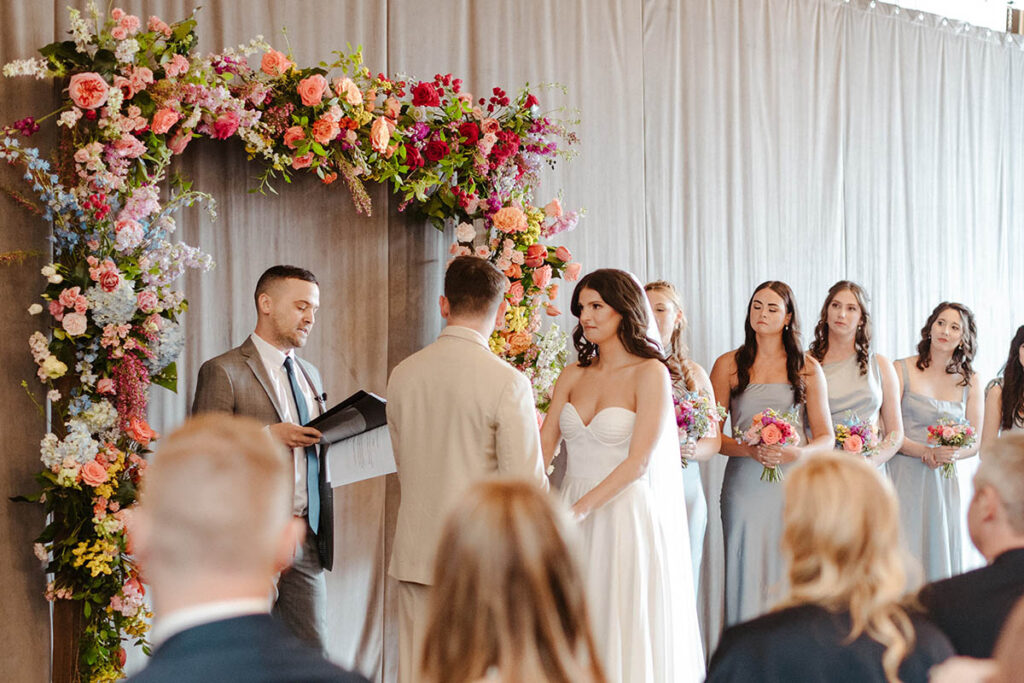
[948, 432]
[853, 444]
[179, 141]
[485, 143]
[163, 119]
[346, 88]
[225, 125]
[535, 255]
[325, 130]
[563, 254]
[311, 89]
[509, 219]
[380, 134]
[552, 310]
[553, 209]
[302, 162]
[140, 78]
[56, 310]
[93, 473]
[293, 135]
[118, 33]
[88, 90]
[542, 276]
[106, 386]
[109, 280]
[392, 108]
[516, 293]
[158, 24]
[490, 126]
[572, 271]
[74, 324]
[274, 63]
[177, 66]
[771, 435]
[146, 300]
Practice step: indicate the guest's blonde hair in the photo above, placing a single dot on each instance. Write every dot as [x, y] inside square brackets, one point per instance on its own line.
[1002, 468]
[507, 594]
[845, 550]
[217, 497]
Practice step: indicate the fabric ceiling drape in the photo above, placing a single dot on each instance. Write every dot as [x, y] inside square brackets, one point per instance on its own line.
[722, 144]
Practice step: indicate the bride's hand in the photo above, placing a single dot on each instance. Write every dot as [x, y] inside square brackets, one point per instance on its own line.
[688, 449]
[577, 513]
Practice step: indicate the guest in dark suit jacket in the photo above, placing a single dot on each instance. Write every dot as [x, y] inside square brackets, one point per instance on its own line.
[264, 380]
[842, 620]
[213, 529]
[971, 608]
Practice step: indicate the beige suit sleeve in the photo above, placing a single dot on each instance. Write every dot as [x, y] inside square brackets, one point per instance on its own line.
[214, 391]
[517, 437]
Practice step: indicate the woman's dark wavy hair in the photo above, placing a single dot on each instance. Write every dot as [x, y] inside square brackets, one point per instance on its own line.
[963, 355]
[1013, 385]
[861, 340]
[746, 354]
[619, 290]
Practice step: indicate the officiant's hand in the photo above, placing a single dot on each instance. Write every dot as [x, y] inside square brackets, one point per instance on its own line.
[293, 435]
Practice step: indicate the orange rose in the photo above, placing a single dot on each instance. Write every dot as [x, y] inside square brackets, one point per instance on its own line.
[93, 473]
[510, 219]
[140, 431]
[853, 444]
[311, 89]
[274, 63]
[293, 135]
[380, 135]
[163, 119]
[324, 130]
[771, 435]
[518, 342]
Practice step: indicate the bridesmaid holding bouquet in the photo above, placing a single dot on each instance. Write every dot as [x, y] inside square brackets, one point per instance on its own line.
[862, 385]
[769, 371]
[668, 313]
[936, 384]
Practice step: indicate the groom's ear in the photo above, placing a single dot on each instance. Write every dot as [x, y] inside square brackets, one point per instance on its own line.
[446, 309]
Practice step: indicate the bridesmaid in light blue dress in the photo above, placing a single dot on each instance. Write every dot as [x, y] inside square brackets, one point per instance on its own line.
[938, 382]
[668, 313]
[861, 383]
[1004, 396]
[769, 370]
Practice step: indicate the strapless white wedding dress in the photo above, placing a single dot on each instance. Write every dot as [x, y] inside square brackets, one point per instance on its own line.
[635, 553]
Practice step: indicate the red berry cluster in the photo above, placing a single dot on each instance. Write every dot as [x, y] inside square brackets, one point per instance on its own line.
[498, 99]
[27, 126]
[98, 204]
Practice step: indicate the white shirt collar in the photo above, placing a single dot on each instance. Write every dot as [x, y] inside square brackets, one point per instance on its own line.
[168, 625]
[270, 354]
[461, 332]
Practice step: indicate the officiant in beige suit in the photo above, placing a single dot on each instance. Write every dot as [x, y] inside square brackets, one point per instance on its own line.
[457, 414]
[265, 380]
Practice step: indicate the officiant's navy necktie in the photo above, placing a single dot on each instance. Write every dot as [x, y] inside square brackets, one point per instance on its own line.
[312, 463]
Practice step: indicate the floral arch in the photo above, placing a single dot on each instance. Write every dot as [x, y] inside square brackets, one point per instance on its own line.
[136, 95]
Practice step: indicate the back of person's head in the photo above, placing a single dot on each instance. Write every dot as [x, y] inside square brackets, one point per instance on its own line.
[1002, 469]
[275, 274]
[474, 287]
[1009, 650]
[845, 550]
[216, 500]
[507, 593]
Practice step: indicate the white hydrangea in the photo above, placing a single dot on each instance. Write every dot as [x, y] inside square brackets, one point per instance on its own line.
[117, 307]
[99, 417]
[48, 450]
[78, 444]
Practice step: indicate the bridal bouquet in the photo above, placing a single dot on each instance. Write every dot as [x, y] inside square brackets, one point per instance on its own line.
[951, 431]
[696, 416]
[770, 427]
[857, 436]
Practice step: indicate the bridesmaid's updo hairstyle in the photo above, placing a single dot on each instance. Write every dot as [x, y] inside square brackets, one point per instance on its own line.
[861, 340]
[677, 352]
[1013, 385]
[960, 363]
[619, 290]
[746, 354]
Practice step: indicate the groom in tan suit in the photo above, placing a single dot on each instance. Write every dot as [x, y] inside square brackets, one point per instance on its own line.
[265, 380]
[457, 414]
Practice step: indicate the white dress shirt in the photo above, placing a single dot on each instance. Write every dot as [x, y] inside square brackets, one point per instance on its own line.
[189, 617]
[273, 361]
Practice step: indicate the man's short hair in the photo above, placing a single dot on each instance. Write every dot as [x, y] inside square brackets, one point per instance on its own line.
[473, 286]
[276, 274]
[1002, 468]
[217, 496]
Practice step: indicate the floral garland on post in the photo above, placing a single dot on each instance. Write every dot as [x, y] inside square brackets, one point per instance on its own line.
[136, 96]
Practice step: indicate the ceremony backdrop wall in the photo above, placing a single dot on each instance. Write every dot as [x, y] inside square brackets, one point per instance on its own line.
[722, 144]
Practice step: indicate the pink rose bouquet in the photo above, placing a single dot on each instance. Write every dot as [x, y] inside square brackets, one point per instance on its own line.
[770, 427]
[951, 431]
[857, 436]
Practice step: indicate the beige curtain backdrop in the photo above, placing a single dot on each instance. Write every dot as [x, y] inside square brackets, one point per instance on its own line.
[723, 143]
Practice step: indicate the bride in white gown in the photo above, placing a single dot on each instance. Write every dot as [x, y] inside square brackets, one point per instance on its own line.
[623, 480]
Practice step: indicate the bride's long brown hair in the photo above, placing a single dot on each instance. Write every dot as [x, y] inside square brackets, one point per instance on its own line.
[619, 290]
